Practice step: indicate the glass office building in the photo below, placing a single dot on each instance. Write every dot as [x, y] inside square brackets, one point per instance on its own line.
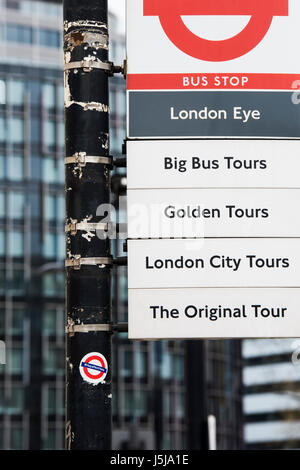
[272, 393]
[150, 390]
[31, 226]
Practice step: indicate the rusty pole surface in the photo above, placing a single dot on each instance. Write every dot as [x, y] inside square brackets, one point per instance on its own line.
[88, 255]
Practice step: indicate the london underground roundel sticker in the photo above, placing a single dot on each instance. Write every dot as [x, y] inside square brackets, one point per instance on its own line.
[261, 14]
[93, 368]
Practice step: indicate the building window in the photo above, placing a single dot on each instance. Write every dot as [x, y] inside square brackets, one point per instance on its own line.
[49, 38]
[141, 403]
[50, 440]
[49, 170]
[54, 438]
[15, 167]
[35, 131]
[2, 280]
[53, 360]
[167, 404]
[114, 141]
[2, 92]
[179, 367]
[16, 90]
[166, 370]
[2, 242]
[61, 134]
[61, 249]
[48, 95]
[50, 208]
[112, 50]
[167, 441]
[2, 332]
[50, 401]
[53, 400]
[49, 134]
[3, 129]
[17, 282]
[50, 361]
[12, 4]
[12, 400]
[16, 205]
[53, 285]
[140, 364]
[53, 170]
[179, 409]
[61, 208]
[60, 97]
[16, 438]
[15, 130]
[54, 245]
[121, 103]
[49, 246]
[127, 363]
[49, 322]
[15, 243]
[54, 208]
[112, 101]
[18, 316]
[123, 286]
[2, 204]
[19, 33]
[15, 360]
[128, 409]
[2, 166]
[34, 89]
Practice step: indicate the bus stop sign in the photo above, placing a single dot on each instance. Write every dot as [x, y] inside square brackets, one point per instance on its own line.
[261, 14]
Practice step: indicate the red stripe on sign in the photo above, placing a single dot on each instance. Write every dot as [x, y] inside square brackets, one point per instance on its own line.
[213, 81]
[216, 7]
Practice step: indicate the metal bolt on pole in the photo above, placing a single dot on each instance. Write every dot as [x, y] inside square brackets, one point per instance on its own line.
[88, 259]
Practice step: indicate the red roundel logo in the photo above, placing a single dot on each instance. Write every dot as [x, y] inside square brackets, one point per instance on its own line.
[93, 368]
[261, 14]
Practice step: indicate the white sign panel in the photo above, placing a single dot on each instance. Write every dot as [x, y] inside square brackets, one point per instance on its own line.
[213, 263]
[243, 50]
[199, 213]
[214, 313]
[213, 164]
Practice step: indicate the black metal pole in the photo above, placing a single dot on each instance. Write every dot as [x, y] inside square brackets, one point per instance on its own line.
[88, 263]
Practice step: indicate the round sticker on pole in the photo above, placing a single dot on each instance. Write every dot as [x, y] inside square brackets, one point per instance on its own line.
[93, 368]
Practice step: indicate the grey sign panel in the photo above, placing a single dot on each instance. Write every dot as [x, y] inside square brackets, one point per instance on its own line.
[192, 114]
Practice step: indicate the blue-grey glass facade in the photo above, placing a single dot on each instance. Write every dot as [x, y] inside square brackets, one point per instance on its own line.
[32, 236]
[32, 214]
[272, 393]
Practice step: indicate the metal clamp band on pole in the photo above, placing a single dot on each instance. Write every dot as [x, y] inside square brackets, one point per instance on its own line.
[77, 262]
[75, 226]
[72, 329]
[82, 159]
[89, 64]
